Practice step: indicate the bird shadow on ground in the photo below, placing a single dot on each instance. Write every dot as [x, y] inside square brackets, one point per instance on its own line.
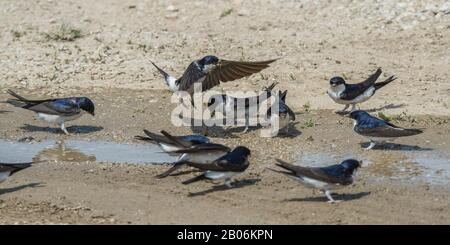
[183, 172]
[386, 107]
[396, 147]
[390, 106]
[337, 197]
[20, 187]
[291, 133]
[213, 131]
[71, 129]
[240, 129]
[342, 113]
[236, 185]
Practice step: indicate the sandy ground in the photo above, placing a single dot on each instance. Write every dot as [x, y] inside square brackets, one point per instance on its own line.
[110, 63]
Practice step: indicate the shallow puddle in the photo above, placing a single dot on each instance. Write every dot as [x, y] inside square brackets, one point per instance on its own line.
[82, 151]
[431, 166]
[435, 164]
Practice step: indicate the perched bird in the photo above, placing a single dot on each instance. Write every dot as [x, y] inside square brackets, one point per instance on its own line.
[284, 116]
[210, 71]
[169, 145]
[326, 178]
[56, 111]
[8, 169]
[377, 130]
[203, 153]
[352, 94]
[224, 167]
[233, 107]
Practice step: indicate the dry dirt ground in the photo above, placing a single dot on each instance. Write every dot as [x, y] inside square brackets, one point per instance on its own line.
[103, 50]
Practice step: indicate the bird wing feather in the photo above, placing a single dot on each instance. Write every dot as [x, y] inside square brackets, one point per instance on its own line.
[228, 70]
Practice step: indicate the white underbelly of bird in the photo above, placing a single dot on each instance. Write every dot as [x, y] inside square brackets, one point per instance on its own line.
[381, 139]
[360, 99]
[284, 121]
[169, 148]
[312, 183]
[56, 118]
[277, 123]
[219, 175]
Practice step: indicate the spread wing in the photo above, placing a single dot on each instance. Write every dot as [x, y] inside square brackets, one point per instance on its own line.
[228, 70]
[189, 77]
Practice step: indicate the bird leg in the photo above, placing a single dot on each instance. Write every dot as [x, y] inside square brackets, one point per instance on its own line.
[204, 130]
[343, 111]
[330, 198]
[372, 144]
[64, 128]
[227, 130]
[345, 108]
[245, 130]
[228, 183]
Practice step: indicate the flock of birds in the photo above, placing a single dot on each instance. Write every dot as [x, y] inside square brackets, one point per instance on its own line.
[217, 161]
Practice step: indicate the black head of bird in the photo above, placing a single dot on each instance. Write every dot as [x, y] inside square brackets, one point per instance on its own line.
[242, 150]
[351, 165]
[209, 60]
[336, 81]
[358, 115]
[87, 105]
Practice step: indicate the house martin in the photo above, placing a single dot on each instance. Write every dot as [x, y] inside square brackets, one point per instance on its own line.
[225, 167]
[203, 153]
[8, 169]
[231, 106]
[378, 130]
[284, 117]
[352, 94]
[169, 145]
[210, 71]
[56, 111]
[325, 179]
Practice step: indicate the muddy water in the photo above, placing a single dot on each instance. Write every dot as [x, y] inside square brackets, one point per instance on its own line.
[81, 151]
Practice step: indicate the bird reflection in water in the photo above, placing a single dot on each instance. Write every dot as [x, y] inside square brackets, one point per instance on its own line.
[61, 153]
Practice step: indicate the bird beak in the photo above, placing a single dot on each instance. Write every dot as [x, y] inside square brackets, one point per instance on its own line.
[93, 113]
